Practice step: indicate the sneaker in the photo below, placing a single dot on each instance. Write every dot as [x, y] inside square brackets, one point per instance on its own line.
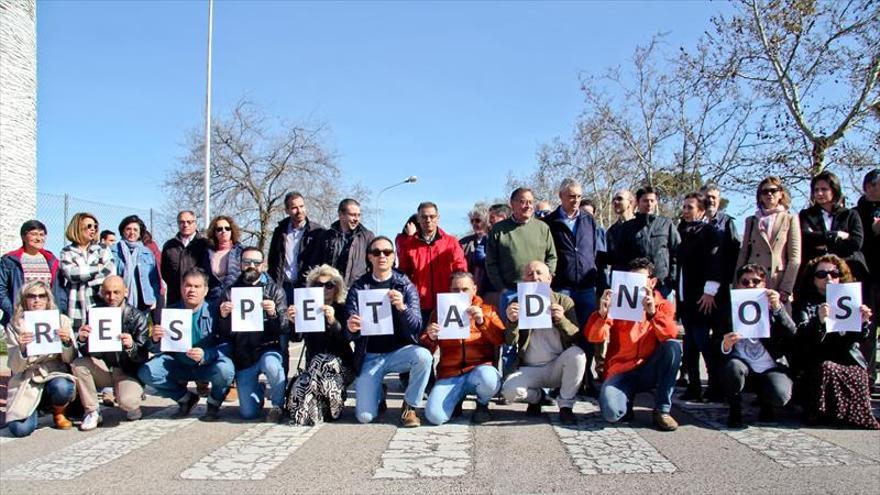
[766, 414]
[566, 416]
[90, 421]
[274, 415]
[481, 414]
[211, 414]
[409, 418]
[664, 421]
[203, 388]
[186, 404]
[134, 414]
[734, 417]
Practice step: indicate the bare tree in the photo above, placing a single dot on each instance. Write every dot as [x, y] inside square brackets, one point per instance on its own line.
[813, 68]
[255, 161]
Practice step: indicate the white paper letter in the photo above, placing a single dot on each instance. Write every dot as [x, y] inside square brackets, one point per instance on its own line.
[374, 308]
[750, 311]
[309, 303]
[178, 330]
[106, 326]
[452, 315]
[44, 324]
[845, 301]
[534, 305]
[247, 312]
[627, 293]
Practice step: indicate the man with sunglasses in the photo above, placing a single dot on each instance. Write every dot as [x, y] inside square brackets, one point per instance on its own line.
[255, 353]
[188, 249]
[757, 360]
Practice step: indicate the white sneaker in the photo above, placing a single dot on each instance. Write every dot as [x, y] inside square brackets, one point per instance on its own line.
[90, 421]
[134, 414]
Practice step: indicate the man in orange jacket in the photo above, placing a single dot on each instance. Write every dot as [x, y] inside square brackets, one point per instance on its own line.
[641, 355]
[465, 365]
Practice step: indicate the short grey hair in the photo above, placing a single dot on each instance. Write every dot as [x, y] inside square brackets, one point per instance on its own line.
[568, 183]
[709, 187]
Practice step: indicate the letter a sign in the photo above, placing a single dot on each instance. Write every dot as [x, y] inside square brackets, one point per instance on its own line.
[534, 305]
[627, 292]
[247, 311]
[44, 324]
[452, 315]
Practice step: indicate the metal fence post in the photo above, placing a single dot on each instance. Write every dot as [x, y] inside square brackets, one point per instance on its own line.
[151, 220]
[66, 209]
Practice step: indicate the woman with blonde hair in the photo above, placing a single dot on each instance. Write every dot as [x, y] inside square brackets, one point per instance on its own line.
[41, 381]
[318, 393]
[85, 263]
[772, 238]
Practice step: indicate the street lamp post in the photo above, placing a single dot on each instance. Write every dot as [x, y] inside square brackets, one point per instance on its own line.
[408, 180]
[208, 117]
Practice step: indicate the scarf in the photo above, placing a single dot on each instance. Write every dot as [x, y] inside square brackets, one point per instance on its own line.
[131, 251]
[766, 218]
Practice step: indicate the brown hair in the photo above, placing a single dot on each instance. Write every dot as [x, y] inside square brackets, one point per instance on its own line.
[838, 262]
[773, 180]
[236, 232]
[73, 233]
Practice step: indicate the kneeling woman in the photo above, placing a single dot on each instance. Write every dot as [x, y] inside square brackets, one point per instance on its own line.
[465, 364]
[37, 381]
[318, 393]
[836, 383]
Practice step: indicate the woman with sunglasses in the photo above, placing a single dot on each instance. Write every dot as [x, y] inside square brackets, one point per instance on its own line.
[37, 381]
[828, 227]
[835, 380]
[85, 263]
[377, 355]
[222, 258]
[772, 238]
[136, 264]
[318, 393]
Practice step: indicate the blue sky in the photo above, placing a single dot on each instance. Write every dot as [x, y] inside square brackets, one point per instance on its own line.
[458, 93]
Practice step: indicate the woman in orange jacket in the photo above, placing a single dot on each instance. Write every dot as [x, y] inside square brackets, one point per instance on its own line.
[466, 365]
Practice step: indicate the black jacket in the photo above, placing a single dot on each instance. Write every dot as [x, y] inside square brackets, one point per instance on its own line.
[247, 347]
[576, 254]
[331, 341]
[816, 240]
[868, 211]
[135, 324]
[277, 252]
[650, 236]
[730, 245]
[782, 334]
[815, 345]
[699, 256]
[331, 247]
[177, 260]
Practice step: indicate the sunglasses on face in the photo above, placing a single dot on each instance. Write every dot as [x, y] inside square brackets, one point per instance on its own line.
[327, 285]
[251, 262]
[90, 226]
[617, 198]
[41, 295]
[750, 282]
[826, 273]
[476, 221]
[223, 229]
[377, 252]
[770, 190]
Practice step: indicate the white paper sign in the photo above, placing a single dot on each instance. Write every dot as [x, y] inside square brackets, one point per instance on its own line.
[106, 326]
[452, 315]
[750, 311]
[44, 324]
[534, 305]
[374, 308]
[309, 303]
[627, 292]
[247, 309]
[845, 301]
[177, 324]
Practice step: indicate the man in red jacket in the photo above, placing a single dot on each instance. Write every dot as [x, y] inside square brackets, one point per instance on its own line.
[641, 355]
[430, 258]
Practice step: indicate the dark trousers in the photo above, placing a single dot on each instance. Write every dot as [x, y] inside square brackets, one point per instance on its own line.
[698, 341]
[772, 386]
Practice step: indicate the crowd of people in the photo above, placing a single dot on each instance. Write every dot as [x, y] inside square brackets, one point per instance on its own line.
[690, 263]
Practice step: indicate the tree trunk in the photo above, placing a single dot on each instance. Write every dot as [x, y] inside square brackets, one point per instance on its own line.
[817, 156]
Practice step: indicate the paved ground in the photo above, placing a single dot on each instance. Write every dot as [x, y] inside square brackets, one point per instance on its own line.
[512, 454]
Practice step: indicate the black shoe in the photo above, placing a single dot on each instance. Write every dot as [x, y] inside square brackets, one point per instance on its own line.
[457, 411]
[535, 409]
[383, 404]
[481, 414]
[681, 382]
[714, 395]
[766, 414]
[691, 394]
[734, 417]
[211, 414]
[629, 416]
[566, 416]
[185, 405]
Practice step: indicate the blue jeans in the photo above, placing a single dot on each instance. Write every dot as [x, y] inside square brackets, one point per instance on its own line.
[251, 392]
[659, 372]
[508, 352]
[484, 381]
[169, 374]
[414, 359]
[58, 392]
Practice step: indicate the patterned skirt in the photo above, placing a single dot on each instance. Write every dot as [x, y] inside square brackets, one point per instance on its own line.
[844, 394]
[318, 393]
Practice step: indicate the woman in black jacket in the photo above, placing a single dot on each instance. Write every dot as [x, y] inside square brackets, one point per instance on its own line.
[828, 227]
[835, 381]
[318, 393]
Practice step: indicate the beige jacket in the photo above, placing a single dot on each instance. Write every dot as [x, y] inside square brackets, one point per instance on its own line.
[780, 254]
[29, 374]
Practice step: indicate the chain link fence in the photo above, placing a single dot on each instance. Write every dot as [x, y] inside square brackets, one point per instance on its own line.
[56, 210]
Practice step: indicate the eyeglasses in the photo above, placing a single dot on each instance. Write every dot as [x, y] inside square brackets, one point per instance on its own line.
[90, 226]
[41, 295]
[820, 274]
[185, 222]
[617, 198]
[476, 221]
[251, 262]
[327, 285]
[770, 190]
[750, 282]
[223, 229]
[378, 252]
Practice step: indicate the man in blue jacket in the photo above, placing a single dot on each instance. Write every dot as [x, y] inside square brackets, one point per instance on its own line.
[207, 360]
[377, 355]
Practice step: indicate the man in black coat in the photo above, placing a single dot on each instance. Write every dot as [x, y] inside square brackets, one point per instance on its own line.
[188, 249]
[292, 244]
[868, 209]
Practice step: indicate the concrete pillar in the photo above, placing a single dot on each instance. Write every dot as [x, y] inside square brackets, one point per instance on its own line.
[18, 118]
